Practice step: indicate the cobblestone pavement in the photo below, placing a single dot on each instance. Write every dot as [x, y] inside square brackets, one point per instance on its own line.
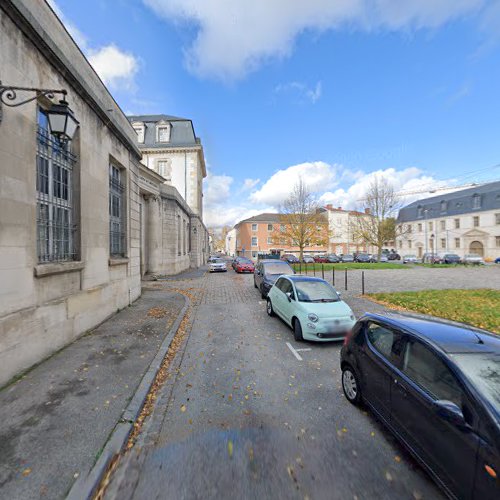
[242, 417]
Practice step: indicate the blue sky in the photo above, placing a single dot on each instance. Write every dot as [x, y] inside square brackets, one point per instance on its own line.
[335, 91]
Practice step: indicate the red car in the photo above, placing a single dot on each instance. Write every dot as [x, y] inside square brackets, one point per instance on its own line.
[244, 266]
[321, 258]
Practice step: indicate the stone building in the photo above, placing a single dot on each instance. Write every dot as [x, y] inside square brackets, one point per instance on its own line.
[170, 147]
[341, 225]
[466, 221]
[79, 221]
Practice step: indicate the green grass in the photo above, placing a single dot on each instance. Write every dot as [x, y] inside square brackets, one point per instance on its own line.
[348, 265]
[479, 308]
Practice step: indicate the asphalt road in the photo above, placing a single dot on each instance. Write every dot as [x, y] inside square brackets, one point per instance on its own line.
[244, 418]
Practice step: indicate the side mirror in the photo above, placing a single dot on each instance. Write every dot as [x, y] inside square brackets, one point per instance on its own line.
[289, 296]
[339, 294]
[451, 413]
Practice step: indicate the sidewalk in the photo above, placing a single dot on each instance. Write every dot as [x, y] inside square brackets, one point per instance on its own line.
[55, 421]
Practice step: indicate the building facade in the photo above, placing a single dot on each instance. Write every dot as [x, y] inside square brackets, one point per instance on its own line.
[80, 222]
[231, 237]
[257, 235]
[169, 146]
[342, 233]
[463, 222]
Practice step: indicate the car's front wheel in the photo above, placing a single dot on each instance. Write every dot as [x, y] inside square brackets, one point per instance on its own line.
[297, 330]
[350, 385]
[269, 308]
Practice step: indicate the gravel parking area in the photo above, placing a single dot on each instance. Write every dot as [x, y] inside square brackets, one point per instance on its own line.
[416, 278]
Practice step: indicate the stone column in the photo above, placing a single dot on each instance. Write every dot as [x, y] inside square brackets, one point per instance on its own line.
[154, 234]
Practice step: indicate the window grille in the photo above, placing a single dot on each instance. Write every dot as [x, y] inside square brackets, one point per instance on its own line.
[116, 213]
[54, 186]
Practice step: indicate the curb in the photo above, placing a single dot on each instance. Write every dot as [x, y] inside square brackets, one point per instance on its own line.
[86, 485]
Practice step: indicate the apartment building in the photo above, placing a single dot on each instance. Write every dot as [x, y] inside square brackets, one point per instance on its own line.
[466, 221]
[258, 235]
[342, 237]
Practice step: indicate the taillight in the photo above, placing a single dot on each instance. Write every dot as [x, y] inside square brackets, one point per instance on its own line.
[348, 337]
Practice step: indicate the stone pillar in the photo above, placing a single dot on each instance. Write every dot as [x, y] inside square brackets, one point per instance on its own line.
[154, 234]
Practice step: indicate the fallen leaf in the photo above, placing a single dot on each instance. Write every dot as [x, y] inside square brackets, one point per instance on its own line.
[183, 408]
[397, 458]
[27, 472]
[230, 448]
[388, 476]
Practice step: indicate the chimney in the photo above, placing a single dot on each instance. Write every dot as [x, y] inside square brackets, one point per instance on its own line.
[367, 211]
[329, 207]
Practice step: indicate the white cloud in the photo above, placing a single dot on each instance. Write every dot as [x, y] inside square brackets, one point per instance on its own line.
[317, 175]
[250, 183]
[115, 67]
[234, 38]
[217, 189]
[403, 181]
[304, 92]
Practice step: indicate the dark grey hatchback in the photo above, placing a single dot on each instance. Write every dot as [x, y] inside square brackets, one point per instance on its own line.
[436, 385]
[267, 272]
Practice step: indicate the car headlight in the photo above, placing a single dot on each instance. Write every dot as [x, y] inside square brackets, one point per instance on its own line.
[313, 317]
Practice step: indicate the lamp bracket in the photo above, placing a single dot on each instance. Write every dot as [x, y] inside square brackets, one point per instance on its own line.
[9, 97]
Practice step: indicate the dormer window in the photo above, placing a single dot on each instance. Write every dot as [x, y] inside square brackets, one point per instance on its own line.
[163, 132]
[476, 201]
[420, 211]
[444, 206]
[139, 130]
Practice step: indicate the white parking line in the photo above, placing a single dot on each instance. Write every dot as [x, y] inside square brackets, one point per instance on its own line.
[303, 350]
[294, 352]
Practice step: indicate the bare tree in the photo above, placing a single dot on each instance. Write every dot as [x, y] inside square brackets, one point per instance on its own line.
[302, 224]
[380, 227]
[219, 237]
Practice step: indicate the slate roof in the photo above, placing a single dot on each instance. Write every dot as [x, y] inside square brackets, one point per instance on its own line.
[265, 217]
[182, 132]
[456, 203]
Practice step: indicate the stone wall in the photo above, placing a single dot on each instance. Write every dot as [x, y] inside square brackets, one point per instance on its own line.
[45, 306]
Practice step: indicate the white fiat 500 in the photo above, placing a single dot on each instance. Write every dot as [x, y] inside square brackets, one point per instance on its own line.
[311, 306]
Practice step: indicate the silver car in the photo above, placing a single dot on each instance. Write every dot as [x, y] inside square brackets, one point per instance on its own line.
[217, 265]
[410, 259]
[473, 258]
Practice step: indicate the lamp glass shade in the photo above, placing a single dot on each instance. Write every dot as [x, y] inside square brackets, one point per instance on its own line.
[62, 121]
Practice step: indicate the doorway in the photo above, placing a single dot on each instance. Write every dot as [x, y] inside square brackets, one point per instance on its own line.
[477, 248]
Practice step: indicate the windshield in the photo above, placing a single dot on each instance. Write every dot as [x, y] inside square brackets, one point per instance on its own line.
[277, 268]
[217, 261]
[315, 291]
[483, 370]
[244, 261]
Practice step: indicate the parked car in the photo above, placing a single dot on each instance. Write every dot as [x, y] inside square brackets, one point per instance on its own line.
[435, 385]
[215, 265]
[363, 257]
[393, 256]
[383, 258]
[311, 306]
[497, 260]
[450, 258]
[308, 259]
[236, 260]
[333, 259]
[473, 258]
[431, 258]
[410, 259]
[290, 258]
[348, 258]
[244, 266]
[321, 258]
[267, 272]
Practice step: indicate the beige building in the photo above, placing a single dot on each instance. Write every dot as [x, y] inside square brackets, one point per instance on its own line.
[79, 221]
[341, 225]
[170, 147]
[463, 222]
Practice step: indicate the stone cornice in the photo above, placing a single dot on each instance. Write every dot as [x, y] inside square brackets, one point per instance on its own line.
[22, 14]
